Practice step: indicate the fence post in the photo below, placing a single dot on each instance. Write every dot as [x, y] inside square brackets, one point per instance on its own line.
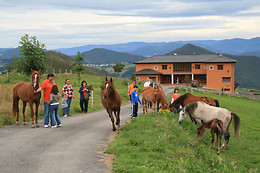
[53, 71]
[60, 71]
[92, 98]
[70, 71]
[66, 71]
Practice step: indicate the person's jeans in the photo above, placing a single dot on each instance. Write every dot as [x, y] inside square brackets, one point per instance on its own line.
[84, 102]
[54, 115]
[46, 113]
[64, 111]
[69, 102]
[135, 110]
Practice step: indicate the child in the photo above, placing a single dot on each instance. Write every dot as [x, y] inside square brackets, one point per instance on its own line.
[135, 100]
[54, 106]
[174, 97]
[64, 104]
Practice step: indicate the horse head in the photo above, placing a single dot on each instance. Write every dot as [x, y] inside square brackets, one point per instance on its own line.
[35, 79]
[200, 131]
[108, 88]
[182, 115]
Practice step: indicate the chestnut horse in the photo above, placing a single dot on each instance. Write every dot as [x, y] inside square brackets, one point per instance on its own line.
[189, 98]
[25, 92]
[111, 100]
[215, 126]
[149, 95]
[161, 98]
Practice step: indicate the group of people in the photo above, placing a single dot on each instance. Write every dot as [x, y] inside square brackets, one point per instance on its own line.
[51, 100]
[134, 97]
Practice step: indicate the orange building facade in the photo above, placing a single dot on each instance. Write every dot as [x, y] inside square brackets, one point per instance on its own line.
[212, 71]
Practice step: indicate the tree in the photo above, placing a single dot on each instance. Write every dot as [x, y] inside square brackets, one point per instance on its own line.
[32, 55]
[118, 68]
[77, 66]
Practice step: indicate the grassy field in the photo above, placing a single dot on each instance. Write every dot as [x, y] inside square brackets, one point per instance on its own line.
[7, 83]
[157, 143]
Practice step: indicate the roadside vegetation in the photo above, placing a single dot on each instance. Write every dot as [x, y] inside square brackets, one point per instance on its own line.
[157, 143]
[97, 81]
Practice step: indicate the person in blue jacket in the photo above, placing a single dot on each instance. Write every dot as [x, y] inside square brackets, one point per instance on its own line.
[135, 100]
[84, 97]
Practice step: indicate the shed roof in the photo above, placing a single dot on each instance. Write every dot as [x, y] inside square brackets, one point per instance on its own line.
[186, 58]
[148, 72]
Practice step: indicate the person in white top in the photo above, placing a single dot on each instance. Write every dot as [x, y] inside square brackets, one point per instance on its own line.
[147, 83]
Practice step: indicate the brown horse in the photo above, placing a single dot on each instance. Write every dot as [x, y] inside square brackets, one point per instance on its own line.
[189, 98]
[161, 99]
[149, 95]
[215, 126]
[111, 100]
[25, 92]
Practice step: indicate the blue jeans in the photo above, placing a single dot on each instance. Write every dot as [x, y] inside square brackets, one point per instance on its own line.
[46, 113]
[68, 108]
[54, 115]
[64, 111]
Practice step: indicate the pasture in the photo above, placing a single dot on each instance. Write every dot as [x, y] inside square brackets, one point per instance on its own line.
[7, 83]
[157, 143]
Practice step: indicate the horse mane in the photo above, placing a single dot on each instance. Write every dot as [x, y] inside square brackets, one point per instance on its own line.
[179, 100]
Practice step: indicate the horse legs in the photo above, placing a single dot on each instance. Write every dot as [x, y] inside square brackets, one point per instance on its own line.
[117, 115]
[24, 106]
[112, 120]
[32, 114]
[226, 139]
[212, 138]
[16, 111]
[153, 106]
[36, 113]
[219, 135]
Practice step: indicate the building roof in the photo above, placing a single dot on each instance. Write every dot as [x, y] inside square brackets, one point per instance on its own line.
[186, 58]
[148, 72]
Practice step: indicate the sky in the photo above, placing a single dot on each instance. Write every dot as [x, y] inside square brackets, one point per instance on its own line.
[72, 23]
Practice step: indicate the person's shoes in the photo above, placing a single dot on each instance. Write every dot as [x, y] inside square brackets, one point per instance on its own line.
[54, 126]
[82, 112]
[69, 114]
[65, 116]
[45, 126]
[59, 125]
[86, 112]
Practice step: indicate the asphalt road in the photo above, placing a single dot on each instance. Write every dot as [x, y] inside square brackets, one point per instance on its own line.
[75, 147]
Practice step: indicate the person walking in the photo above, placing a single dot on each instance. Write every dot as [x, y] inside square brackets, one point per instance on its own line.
[54, 107]
[46, 86]
[84, 97]
[130, 89]
[64, 104]
[135, 100]
[67, 88]
[175, 96]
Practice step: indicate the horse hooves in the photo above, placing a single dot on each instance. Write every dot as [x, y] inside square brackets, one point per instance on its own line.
[17, 123]
[37, 125]
[25, 123]
[33, 126]
[114, 129]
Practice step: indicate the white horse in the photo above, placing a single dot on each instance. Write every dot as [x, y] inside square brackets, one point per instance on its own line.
[202, 113]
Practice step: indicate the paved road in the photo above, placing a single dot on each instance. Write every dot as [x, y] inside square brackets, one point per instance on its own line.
[73, 148]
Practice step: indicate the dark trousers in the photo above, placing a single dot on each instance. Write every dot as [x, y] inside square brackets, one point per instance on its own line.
[85, 103]
[135, 110]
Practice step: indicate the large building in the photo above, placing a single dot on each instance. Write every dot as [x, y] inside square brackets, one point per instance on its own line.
[213, 71]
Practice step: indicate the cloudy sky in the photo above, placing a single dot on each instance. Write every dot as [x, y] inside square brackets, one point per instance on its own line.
[70, 23]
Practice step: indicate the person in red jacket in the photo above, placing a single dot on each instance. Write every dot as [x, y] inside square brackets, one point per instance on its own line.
[174, 97]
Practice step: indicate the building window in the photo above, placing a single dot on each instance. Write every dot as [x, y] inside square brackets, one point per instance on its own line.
[182, 67]
[155, 67]
[197, 66]
[138, 78]
[220, 67]
[164, 67]
[226, 89]
[226, 79]
[211, 67]
[205, 67]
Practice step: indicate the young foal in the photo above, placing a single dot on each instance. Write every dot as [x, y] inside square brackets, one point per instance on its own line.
[149, 95]
[161, 98]
[215, 126]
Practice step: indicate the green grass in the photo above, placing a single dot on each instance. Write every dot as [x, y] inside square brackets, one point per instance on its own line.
[157, 143]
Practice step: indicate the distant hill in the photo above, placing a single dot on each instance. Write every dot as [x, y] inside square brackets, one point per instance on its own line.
[7, 53]
[190, 49]
[104, 56]
[254, 53]
[58, 61]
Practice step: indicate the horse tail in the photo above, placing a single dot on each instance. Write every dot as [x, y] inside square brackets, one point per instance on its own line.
[236, 124]
[220, 126]
[15, 103]
[217, 103]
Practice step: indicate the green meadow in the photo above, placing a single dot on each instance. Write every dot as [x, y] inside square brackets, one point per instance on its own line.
[157, 143]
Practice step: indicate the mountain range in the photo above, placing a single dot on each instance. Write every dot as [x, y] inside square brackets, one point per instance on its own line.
[235, 46]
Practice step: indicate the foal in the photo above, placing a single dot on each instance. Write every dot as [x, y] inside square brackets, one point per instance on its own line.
[215, 126]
